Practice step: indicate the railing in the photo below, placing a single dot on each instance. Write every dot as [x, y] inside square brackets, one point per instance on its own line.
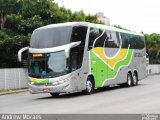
[153, 69]
[13, 78]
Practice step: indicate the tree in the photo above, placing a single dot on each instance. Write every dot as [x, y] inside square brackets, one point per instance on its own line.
[8, 7]
[93, 19]
[153, 47]
[78, 16]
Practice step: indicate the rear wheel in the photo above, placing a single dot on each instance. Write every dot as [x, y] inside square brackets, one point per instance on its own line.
[55, 94]
[89, 86]
[135, 79]
[129, 80]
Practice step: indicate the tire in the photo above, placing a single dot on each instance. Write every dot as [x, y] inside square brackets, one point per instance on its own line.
[129, 80]
[89, 86]
[54, 94]
[135, 79]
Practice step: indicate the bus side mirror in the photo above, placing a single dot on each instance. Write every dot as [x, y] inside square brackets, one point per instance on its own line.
[71, 45]
[20, 53]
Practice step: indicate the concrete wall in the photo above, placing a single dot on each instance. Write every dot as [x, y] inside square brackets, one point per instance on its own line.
[153, 69]
[13, 78]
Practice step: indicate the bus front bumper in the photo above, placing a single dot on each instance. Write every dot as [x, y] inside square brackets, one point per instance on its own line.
[65, 87]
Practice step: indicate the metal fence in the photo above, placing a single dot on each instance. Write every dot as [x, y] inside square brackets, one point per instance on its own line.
[153, 69]
[13, 78]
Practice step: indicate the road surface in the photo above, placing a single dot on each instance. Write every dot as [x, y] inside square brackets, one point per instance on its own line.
[144, 98]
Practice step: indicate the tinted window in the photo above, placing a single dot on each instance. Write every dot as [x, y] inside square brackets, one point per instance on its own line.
[76, 53]
[51, 37]
[103, 38]
[142, 42]
[94, 33]
[125, 40]
[100, 41]
[136, 42]
[112, 39]
[79, 34]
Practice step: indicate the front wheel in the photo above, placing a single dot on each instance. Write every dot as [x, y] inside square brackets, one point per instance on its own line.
[89, 86]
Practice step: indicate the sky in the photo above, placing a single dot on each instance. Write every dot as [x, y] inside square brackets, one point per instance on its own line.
[135, 15]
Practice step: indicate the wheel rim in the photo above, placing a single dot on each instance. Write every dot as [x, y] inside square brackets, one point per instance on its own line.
[134, 79]
[89, 86]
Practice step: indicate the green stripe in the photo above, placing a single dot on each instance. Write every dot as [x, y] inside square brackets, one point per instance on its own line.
[38, 81]
[108, 73]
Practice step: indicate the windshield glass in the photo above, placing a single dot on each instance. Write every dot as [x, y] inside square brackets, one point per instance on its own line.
[51, 37]
[48, 65]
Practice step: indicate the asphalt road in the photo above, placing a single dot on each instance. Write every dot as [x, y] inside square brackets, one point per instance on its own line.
[144, 98]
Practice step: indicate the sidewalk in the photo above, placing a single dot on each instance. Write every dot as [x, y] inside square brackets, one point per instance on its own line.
[13, 91]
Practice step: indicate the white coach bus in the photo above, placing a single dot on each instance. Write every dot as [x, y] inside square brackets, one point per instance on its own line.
[80, 56]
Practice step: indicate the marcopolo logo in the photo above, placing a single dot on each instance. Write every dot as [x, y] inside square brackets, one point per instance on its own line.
[150, 117]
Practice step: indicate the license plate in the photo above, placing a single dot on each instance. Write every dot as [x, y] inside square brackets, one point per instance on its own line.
[46, 90]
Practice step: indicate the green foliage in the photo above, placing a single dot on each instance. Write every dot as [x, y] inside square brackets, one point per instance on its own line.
[92, 19]
[8, 7]
[153, 47]
[23, 26]
[78, 16]
[9, 45]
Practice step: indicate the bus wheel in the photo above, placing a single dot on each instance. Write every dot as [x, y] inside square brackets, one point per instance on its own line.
[55, 94]
[135, 79]
[129, 80]
[89, 86]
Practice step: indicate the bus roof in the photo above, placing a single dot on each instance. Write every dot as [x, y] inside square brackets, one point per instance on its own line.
[112, 28]
[63, 25]
[87, 24]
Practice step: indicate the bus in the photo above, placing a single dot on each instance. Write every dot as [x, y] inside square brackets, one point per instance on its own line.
[81, 57]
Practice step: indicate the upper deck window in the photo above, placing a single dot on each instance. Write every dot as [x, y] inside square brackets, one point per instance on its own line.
[79, 34]
[51, 37]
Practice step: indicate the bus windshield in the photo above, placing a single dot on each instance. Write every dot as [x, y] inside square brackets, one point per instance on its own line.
[51, 37]
[48, 65]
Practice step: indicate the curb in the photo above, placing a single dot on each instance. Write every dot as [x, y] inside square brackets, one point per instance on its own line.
[6, 92]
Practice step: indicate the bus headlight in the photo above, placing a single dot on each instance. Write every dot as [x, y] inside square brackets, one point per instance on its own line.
[62, 81]
[32, 83]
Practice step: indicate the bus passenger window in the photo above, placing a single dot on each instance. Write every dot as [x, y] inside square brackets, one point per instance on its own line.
[125, 40]
[94, 33]
[79, 34]
[100, 41]
[113, 40]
